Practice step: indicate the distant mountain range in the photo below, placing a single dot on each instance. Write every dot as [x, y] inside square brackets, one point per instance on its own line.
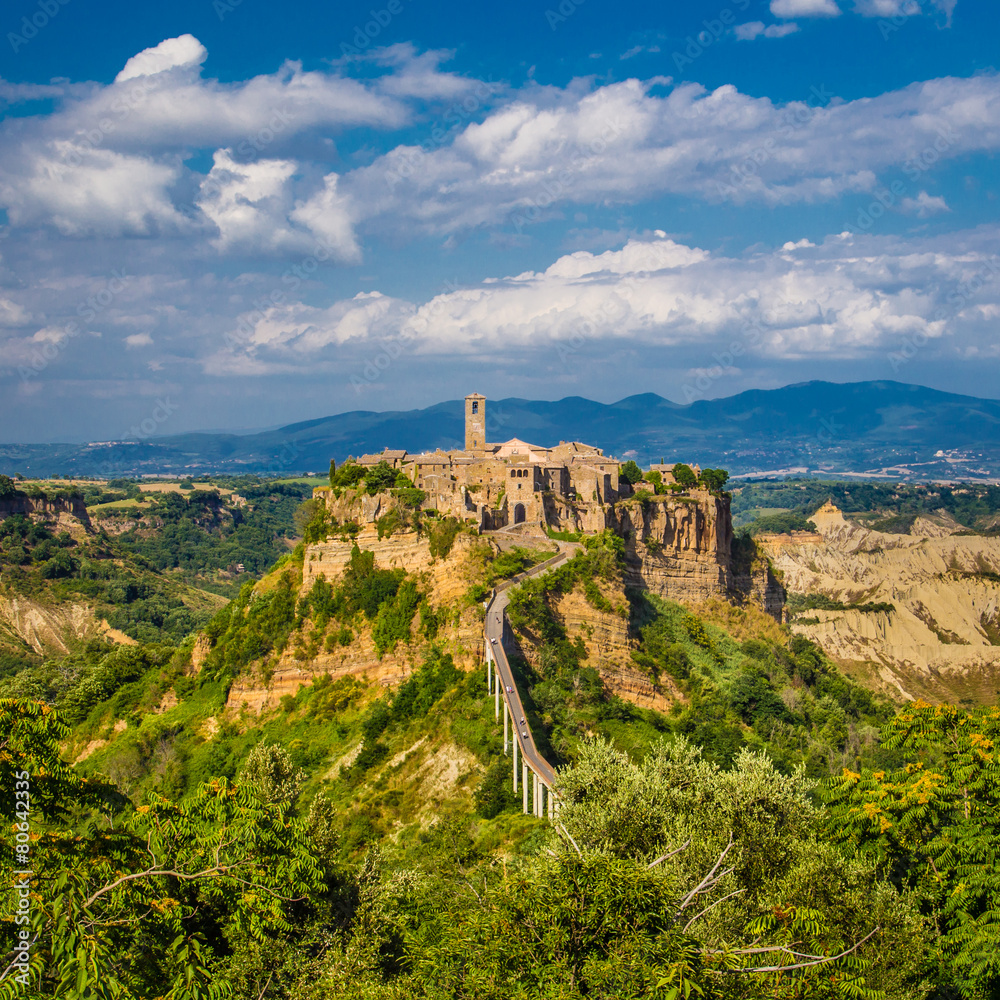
[872, 428]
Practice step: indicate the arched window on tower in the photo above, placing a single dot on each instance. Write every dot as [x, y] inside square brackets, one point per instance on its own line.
[475, 406]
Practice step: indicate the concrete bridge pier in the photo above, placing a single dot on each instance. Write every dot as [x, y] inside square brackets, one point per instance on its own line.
[496, 695]
[515, 765]
[524, 786]
[506, 713]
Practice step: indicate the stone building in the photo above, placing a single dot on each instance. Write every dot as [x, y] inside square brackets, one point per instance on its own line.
[500, 484]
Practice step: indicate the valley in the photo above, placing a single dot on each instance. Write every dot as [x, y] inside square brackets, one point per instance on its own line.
[314, 657]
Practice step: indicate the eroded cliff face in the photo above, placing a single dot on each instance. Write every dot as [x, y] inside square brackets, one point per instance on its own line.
[444, 580]
[608, 646]
[677, 548]
[682, 549]
[461, 635]
[68, 515]
[255, 693]
[942, 641]
[51, 628]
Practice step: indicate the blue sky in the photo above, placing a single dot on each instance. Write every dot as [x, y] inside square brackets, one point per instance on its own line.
[220, 214]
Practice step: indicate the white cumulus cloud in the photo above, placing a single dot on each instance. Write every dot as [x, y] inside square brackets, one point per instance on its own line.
[184, 52]
[756, 29]
[847, 298]
[924, 205]
[804, 8]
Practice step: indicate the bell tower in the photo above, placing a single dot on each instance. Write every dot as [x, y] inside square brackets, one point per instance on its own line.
[475, 422]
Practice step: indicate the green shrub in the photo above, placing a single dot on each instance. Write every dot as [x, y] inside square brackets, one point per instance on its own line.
[388, 523]
[495, 792]
[420, 691]
[392, 623]
[442, 536]
[410, 496]
[631, 472]
[780, 524]
[348, 475]
[366, 588]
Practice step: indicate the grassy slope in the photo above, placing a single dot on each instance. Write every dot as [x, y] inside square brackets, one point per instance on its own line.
[399, 774]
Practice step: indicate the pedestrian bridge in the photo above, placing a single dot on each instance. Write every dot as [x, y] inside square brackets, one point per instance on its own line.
[537, 775]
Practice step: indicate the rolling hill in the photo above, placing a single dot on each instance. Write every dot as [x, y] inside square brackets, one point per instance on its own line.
[887, 428]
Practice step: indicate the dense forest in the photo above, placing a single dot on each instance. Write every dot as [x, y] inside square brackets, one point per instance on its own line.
[780, 831]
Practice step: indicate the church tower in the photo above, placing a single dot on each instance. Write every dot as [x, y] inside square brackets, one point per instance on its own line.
[475, 422]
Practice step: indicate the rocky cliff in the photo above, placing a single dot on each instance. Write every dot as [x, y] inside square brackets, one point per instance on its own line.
[445, 581]
[608, 646]
[941, 641]
[68, 514]
[682, 549]
[678, 547]
[50, 628]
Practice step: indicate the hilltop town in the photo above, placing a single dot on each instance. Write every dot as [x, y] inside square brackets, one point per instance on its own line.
[496, 485]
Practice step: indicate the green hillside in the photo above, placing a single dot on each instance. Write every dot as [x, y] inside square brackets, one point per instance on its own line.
[780, 832]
